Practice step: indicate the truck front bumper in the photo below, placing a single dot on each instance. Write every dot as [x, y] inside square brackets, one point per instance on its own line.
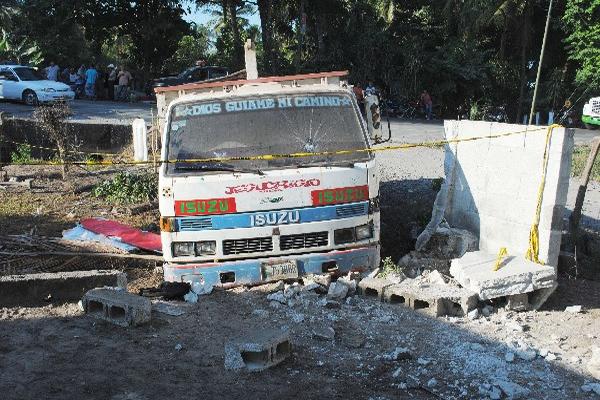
[248, 272]
[588, 119]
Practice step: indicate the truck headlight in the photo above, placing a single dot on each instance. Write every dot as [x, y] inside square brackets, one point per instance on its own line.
[182, 249]
[364, 232]
[206, 248]
[345, 235]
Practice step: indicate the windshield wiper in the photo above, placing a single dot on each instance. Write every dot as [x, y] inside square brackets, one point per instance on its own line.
[214, 167]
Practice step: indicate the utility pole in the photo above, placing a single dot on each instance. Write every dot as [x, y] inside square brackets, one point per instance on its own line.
[537, 78]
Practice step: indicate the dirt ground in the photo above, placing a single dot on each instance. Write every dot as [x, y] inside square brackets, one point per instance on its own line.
[56, 352]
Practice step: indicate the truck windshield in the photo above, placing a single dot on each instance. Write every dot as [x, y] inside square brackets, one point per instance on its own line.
[262, 125]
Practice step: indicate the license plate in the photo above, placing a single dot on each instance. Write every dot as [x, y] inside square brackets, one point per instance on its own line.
[279, 270]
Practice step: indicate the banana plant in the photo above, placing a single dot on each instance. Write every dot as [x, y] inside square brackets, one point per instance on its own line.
[22, 51]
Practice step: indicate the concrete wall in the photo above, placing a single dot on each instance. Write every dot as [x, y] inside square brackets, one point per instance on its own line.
[494, 185]
[93, 137]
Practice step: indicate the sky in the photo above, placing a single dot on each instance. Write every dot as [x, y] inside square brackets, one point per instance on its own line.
[203, 16]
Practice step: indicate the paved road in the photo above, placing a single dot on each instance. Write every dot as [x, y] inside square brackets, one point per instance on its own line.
[419, 130]
[403, 131]
[95, 112]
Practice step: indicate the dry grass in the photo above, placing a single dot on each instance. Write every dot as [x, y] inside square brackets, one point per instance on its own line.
[580, 155]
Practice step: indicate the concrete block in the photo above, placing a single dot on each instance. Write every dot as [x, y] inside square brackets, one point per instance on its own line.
[373, 287]
[434, 299]
[117, 306]
[518, 302]
[258, 351]
[57, 287]
[475, 271]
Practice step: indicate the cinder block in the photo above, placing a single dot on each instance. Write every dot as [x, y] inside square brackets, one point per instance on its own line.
[258, 351]
[433, 299]
[117, 307]
[373, 287]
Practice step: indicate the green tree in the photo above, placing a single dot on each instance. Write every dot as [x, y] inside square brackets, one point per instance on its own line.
[582, 23]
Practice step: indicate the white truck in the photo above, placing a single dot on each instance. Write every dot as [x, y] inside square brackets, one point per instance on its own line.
[591, 113]
[236, 208]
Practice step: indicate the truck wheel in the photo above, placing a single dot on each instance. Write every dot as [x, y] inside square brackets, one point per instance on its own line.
[30, 98]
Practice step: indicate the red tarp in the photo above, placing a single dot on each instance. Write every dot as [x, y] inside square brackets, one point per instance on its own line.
[127, 234]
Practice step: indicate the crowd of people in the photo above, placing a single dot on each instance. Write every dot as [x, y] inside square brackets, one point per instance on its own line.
[89, 82]
[425, 102]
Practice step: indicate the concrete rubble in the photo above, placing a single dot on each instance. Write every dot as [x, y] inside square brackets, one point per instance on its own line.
[117, 307]
[497, 202]
[258, 350]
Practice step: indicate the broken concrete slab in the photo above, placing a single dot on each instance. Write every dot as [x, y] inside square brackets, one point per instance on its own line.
[475, 271]
[258, 350]
[435, 299]
[373, 287]
[57, 287]
[117, 307]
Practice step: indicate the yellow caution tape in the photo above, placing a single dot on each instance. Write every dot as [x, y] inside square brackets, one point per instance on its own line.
[431, 144]
[501, 254]
[533, 250]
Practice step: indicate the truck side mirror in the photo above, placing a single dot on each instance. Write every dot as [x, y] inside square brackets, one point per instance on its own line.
[373, 117]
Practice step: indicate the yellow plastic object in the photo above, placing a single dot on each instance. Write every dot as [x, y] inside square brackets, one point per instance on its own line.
[501, 254]
[533, 250]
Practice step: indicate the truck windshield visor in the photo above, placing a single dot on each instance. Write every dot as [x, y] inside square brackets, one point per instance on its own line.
[317, 124]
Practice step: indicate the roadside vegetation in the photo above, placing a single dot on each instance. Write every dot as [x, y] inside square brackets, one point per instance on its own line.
[580, 156]
[128, 188]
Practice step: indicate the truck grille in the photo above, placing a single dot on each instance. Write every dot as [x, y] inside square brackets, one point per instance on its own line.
[195, 224]
[250, 245]
[304, 240]
[351, 210]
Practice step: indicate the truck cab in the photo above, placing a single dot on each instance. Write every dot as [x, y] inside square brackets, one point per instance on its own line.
[265, 180]
[591, 113]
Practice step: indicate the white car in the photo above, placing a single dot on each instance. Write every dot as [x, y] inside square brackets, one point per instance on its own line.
[19, 82]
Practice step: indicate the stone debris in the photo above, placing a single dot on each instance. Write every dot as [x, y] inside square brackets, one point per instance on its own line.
[349, 282]
[432, 382]
[337, 291]
[509, 357]
[487, 310]
[258, 350]
[270, 287]
[178, 347]
[591, 387]
[512, 390]
[573, 309]
[492, 392]
[398, 354]
[323, 333]
[164, 307]
[593, 365]
[323, 280]
[278, 297]
[117, 307]
[473, 314]
[475, 271]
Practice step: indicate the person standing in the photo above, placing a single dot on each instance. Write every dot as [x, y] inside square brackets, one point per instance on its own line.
[52, 71]
[359, 94]
[124, 77]
[427, 104]
[111, 79]
[91, 75]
